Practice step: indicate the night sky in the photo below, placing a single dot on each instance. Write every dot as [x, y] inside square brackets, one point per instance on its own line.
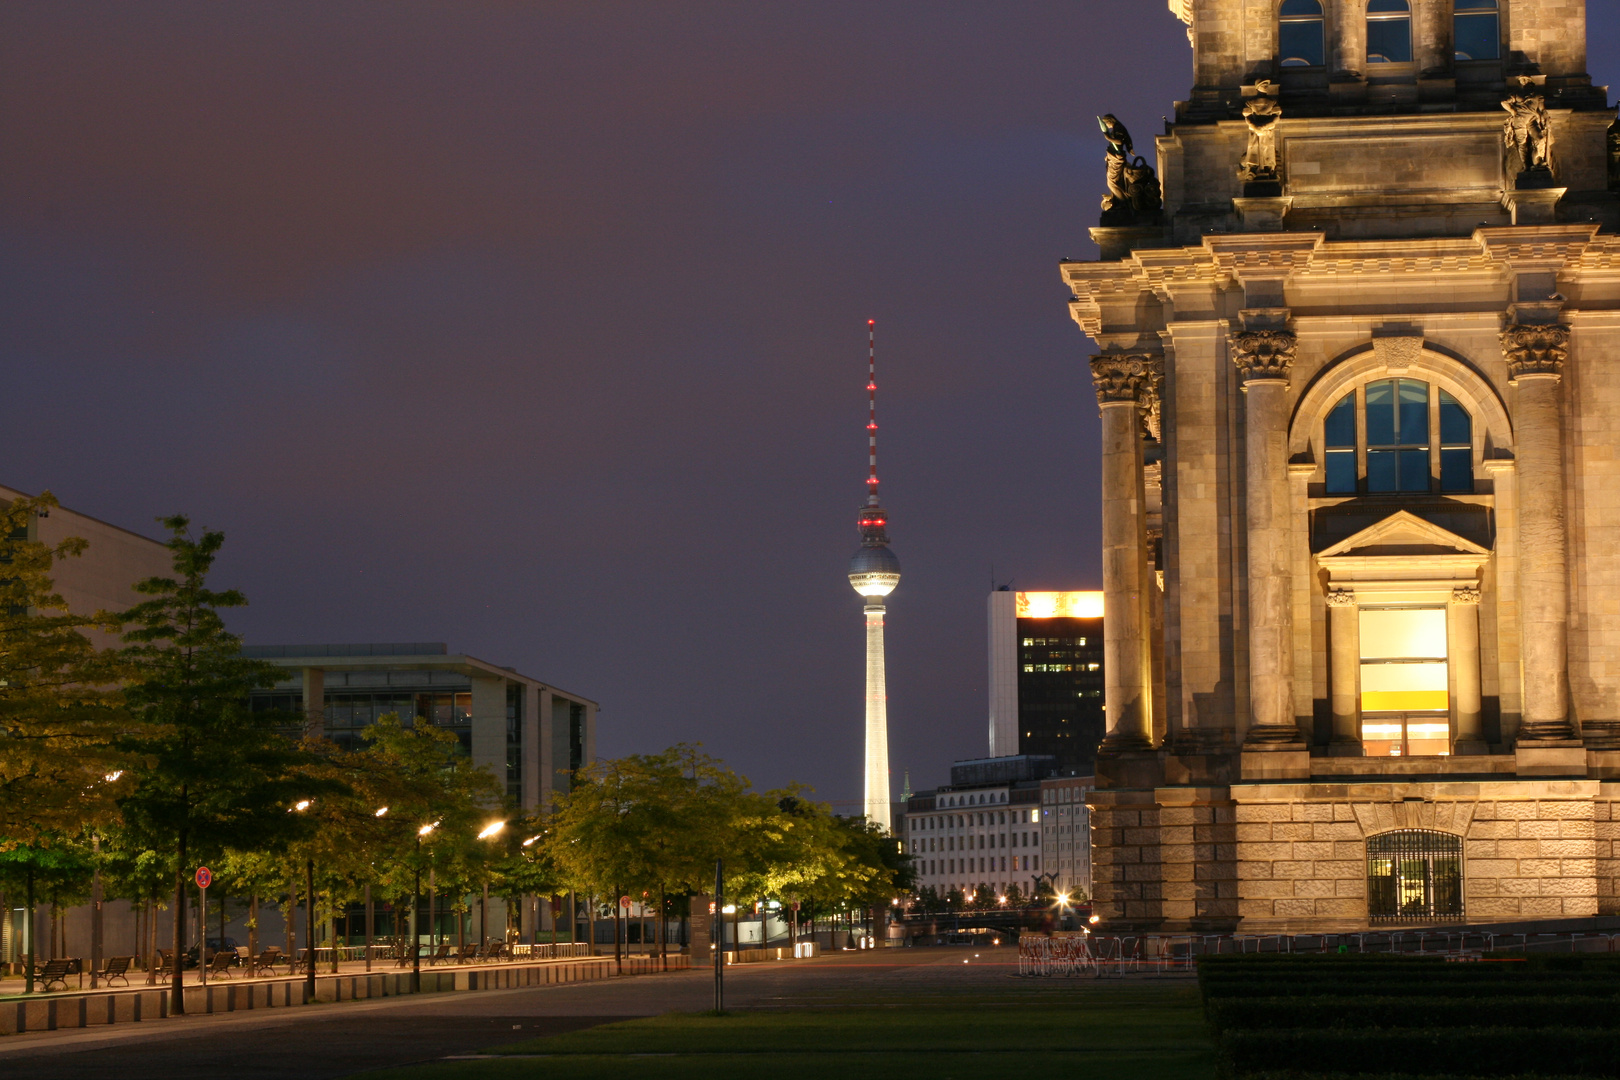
[539, 328]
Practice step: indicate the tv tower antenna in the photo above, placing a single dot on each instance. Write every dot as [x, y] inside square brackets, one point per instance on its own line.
[874, 572]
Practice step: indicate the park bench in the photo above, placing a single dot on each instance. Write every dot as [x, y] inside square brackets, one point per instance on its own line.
[221, 963]
[267, 961]
[466, 954]
[166, 960]
[117, 968]
[497, 951]
[440, 955]
[305, 961]
[54, 971]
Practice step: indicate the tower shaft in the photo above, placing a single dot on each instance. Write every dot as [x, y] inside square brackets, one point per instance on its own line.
[878, 807]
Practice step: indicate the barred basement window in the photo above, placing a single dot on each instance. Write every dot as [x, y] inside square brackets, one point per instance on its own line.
[1414, 875]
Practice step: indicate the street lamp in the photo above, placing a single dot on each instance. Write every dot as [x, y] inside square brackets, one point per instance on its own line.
[416, 905]
[309, 916]
[489, 831]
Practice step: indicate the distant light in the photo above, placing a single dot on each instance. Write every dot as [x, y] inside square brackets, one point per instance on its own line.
[303, 804]
[424, 830]
[491, 829]
[1058, 605]
[530, 840]
[729, 909]
[1095, 919]
[382, 811]
[113, 776]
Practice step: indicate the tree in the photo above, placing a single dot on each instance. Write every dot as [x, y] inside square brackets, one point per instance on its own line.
[60, 713]
[216, 775]
[55, 868]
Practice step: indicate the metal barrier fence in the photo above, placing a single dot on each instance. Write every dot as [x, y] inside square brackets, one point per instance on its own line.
[1102, 955]
[562, 950]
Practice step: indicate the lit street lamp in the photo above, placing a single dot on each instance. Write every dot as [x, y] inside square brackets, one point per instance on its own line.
[416, 904]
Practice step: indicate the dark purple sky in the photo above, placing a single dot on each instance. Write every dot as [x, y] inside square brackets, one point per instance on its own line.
[538, 328]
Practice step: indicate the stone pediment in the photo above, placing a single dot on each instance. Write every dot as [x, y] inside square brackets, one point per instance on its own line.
[1403, 533]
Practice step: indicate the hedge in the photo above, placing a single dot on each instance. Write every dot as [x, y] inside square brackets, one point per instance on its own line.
[1483, 1052]
[1409, 1012]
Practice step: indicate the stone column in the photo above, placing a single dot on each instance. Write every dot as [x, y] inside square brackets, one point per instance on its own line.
[1122, 382]
[1344, 692]
[1462, 653]
[1264, 359]
[315, 702]
[1535, 358]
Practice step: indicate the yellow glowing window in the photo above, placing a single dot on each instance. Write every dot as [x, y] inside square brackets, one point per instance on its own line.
[1403, 660]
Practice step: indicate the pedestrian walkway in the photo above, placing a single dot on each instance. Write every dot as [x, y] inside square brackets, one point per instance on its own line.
[124, 1005]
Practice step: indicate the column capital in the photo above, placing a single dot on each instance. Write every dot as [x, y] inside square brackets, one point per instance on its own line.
[1127, 378]
[1264, 355]
[1341, 598]
[1465, 594]
[1533, 349]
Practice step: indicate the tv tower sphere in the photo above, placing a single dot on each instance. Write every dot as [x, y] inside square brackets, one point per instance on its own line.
[873, 573]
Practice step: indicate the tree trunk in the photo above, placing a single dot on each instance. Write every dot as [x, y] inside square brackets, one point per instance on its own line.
[663, 921]
[253, 931]
[28, 932]
[177, 995]
[290, 917]
[590, 922]
[618, 915]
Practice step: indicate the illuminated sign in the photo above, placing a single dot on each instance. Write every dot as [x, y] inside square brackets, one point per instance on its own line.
[1059, 605]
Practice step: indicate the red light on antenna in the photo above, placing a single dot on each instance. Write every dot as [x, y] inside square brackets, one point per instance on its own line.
[871, 322]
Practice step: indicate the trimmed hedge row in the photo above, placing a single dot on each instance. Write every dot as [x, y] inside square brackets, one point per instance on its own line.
[1596, 988]
[1483, 1052]
[1360, 1013]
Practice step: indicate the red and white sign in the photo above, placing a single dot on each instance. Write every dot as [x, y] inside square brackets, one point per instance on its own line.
[624, 901]
[205, 877]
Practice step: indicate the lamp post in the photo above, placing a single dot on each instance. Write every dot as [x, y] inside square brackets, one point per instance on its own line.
[416, 903]
[299, 807]
[489, 832]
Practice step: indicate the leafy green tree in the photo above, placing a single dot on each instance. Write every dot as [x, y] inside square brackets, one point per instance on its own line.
[60, 711]
[216, 775]
[56, 869]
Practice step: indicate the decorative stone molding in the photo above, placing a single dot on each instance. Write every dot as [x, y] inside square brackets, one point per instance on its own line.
[1398, 353]
[1535, 349]
[1126, 377]
[1341, 598]
[1264, 355]
[1465, 594]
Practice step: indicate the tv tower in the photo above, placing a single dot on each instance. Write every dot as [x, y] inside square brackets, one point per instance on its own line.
[874, 572]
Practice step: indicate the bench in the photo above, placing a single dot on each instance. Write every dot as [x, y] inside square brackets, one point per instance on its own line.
[117, 968]
[54, 971]
[267, 961]
[221, 963]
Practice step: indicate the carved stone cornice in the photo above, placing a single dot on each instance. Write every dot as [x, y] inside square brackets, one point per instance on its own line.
[1341, 598]
[1247, 256]
[1264, 355]
[1465, 594]
[1533, 349]
[1130, 378]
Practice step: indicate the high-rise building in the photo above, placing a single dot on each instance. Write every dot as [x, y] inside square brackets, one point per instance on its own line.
[873, 573]
[1359, 394]
[1046, 676]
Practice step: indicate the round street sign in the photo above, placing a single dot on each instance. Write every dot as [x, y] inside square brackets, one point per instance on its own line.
[624, 901]
[205, 877]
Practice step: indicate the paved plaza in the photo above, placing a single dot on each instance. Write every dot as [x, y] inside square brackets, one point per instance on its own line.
[342, 1039]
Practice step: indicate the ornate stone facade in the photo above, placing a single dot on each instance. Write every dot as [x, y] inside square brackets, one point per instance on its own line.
[1362, 571]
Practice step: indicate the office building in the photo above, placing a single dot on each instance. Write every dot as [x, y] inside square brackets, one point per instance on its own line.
[1046, 676]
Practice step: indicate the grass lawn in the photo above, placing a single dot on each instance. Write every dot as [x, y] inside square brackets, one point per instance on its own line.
[1141, 1031]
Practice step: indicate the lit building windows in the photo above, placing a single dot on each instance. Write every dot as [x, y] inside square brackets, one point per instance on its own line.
[1414, 874]
[1301, 41]
[1478, 30]
[1404, 695]
[1389, 32]
[1395, 451]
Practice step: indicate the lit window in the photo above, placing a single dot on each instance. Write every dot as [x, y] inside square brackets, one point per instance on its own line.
[1404, 696]
[1300, 34]
[1389, 32]
[1477, 30]
[1397, 436]
[1456, 445]
[1339, 437]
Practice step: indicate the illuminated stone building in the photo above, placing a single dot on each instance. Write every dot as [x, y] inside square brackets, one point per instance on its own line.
[1359, 332]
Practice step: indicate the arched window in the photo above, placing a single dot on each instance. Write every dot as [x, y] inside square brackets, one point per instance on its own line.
[1389, 32]
[1301, 38]
[1478, 30]
[1403, 436]
[1414, 874]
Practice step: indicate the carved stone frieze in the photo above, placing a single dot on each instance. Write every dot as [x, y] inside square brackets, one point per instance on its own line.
[1341, 598]
[1262, 355]
[1535, 349]
[1465, 594]
[1126, 377]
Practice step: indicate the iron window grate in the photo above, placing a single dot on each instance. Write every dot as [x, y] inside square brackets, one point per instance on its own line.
[1414, 875]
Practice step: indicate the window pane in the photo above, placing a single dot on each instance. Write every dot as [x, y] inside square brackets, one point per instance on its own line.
[1456, 429]
[1339, 429]
[1300, 44]
[1478, 37]
[1456, 470]
[1341, 472]
[1314, 7]
[1381, 471]
[1376, 6]
[1414, 418]
[1389, 41]
[1402, 633]
[1381, 413]
[1414, 470]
